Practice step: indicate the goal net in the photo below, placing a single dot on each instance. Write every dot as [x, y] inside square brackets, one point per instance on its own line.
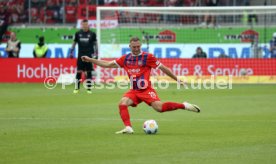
[175, 35]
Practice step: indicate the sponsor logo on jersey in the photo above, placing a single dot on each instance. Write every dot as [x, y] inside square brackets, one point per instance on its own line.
[84, 39]
[140, 63]
[133, 71]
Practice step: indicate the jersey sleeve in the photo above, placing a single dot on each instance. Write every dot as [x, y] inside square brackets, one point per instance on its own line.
[153, 62]
[120, 61]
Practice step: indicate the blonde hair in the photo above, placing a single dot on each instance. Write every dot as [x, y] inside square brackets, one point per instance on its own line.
[134, 39]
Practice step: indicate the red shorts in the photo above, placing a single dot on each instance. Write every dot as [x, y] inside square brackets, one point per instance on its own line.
[137, 96]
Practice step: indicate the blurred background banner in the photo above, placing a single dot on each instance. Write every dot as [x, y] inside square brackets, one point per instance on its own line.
[161, 51]
[241, 70]
[239, 35]
[34, 70]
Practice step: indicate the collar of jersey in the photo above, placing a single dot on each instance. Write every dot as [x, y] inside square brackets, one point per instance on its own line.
[84, 31]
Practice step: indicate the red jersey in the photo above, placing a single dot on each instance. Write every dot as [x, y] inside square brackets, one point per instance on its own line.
[138, 68]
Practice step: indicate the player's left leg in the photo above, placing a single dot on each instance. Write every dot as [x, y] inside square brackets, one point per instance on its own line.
[170, 106]
[123, 107]
[89, 81]
[150, 97]
[77, 81]
[80, 70]
[88, 68]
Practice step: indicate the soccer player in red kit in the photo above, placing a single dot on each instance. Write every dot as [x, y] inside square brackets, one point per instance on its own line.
[138, 66]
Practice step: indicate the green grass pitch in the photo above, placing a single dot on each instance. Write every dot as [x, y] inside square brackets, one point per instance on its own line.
[54, 126]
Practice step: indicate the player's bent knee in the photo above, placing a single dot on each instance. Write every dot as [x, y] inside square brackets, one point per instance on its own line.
[125, 101]
[122, 103]
[157, 106]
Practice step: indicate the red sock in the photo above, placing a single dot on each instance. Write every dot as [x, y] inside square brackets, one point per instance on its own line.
[170, 106]
[124, 115]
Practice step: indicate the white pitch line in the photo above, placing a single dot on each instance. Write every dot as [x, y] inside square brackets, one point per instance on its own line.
[135, 119]
[96, 119]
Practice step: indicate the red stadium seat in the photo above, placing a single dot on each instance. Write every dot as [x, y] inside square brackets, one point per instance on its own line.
[71, 13]
[49, 17]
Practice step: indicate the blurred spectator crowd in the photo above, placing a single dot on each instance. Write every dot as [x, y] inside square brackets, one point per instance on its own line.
[65, 11]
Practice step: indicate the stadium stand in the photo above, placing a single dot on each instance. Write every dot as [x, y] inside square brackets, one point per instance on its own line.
[65, 11]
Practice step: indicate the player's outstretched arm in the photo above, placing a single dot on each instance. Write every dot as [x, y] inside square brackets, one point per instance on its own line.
[168, 72]
[101, 63]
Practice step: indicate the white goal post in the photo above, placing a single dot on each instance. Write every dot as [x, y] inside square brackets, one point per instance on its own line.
[267, 16]
[178, 32]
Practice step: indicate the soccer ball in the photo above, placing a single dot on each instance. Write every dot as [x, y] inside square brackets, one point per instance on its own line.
[150, 127]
